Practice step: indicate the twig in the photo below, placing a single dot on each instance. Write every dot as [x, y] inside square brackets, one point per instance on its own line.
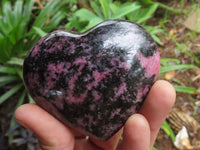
[177, 11]
[195, 78]
[39, 3]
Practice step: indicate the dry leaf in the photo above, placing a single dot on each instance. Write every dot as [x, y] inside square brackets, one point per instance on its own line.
[39, 4]
[169, 75]
[179, 119]
[173, 32]
[182, 139]
[193, 21]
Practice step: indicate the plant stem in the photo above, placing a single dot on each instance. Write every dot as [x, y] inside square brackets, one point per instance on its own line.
[177, 11]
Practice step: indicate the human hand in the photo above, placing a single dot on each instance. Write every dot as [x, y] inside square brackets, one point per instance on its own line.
[139, 132]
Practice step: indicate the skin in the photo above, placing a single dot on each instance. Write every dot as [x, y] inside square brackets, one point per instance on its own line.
[139, 132]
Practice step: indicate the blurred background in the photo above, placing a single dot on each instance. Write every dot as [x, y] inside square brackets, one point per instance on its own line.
[174, 25]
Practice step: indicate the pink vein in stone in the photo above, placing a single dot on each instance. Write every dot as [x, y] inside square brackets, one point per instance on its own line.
[36, 48]
[125, 65]
[81, 62]
[151, 64]
[76, 99]
[86, 47]
[72, 48]
[52, 49]
[50, 84]
[114, 113]
[56, 46]
[117, 62]
[141, 92]
[73, 79]
[122, 88]
[53, 70]
[96, 95]
[98, 76]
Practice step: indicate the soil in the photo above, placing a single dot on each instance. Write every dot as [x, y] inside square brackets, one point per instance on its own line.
[184, 102]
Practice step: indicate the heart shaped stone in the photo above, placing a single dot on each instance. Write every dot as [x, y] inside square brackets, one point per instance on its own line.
[93, 81]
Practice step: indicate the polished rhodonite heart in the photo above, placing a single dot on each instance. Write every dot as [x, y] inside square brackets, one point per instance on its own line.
[93, 81]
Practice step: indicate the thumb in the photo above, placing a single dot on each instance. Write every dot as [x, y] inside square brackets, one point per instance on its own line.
[51, 133]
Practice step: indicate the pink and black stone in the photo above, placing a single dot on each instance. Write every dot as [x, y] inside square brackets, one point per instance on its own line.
[93, 81]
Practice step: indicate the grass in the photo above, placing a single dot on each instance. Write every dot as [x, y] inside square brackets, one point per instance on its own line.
[101, 10]
[168, 130]
[182, 44]
[20, 28]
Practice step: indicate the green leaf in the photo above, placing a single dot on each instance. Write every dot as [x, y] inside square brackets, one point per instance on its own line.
[96, 8]
[9, 93]
[20, 73]
[92, 23]
[153, 31]
[152, 9]
[7, 79]
[165, 61]
[176, 67]
[146, 2]
[114, 8]
[16, 61]
[49, 10]
[86, 15]
[13, 120]
[165, 126]
[19, 103]
[122, 11]
[30, 99]
[18, 10]
[39, 31]
[13, 26]
[74, 23]
[105, 8]
[153, 148]
[28, 8]
[7, 11]
[8, 70]
[57, 18]
[5, 49]
[142, 15]
[174, 10]
[188, 90]
[157, 40]
[4, 27]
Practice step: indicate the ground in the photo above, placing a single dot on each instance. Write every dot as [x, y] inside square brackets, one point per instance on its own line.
[171, 49]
